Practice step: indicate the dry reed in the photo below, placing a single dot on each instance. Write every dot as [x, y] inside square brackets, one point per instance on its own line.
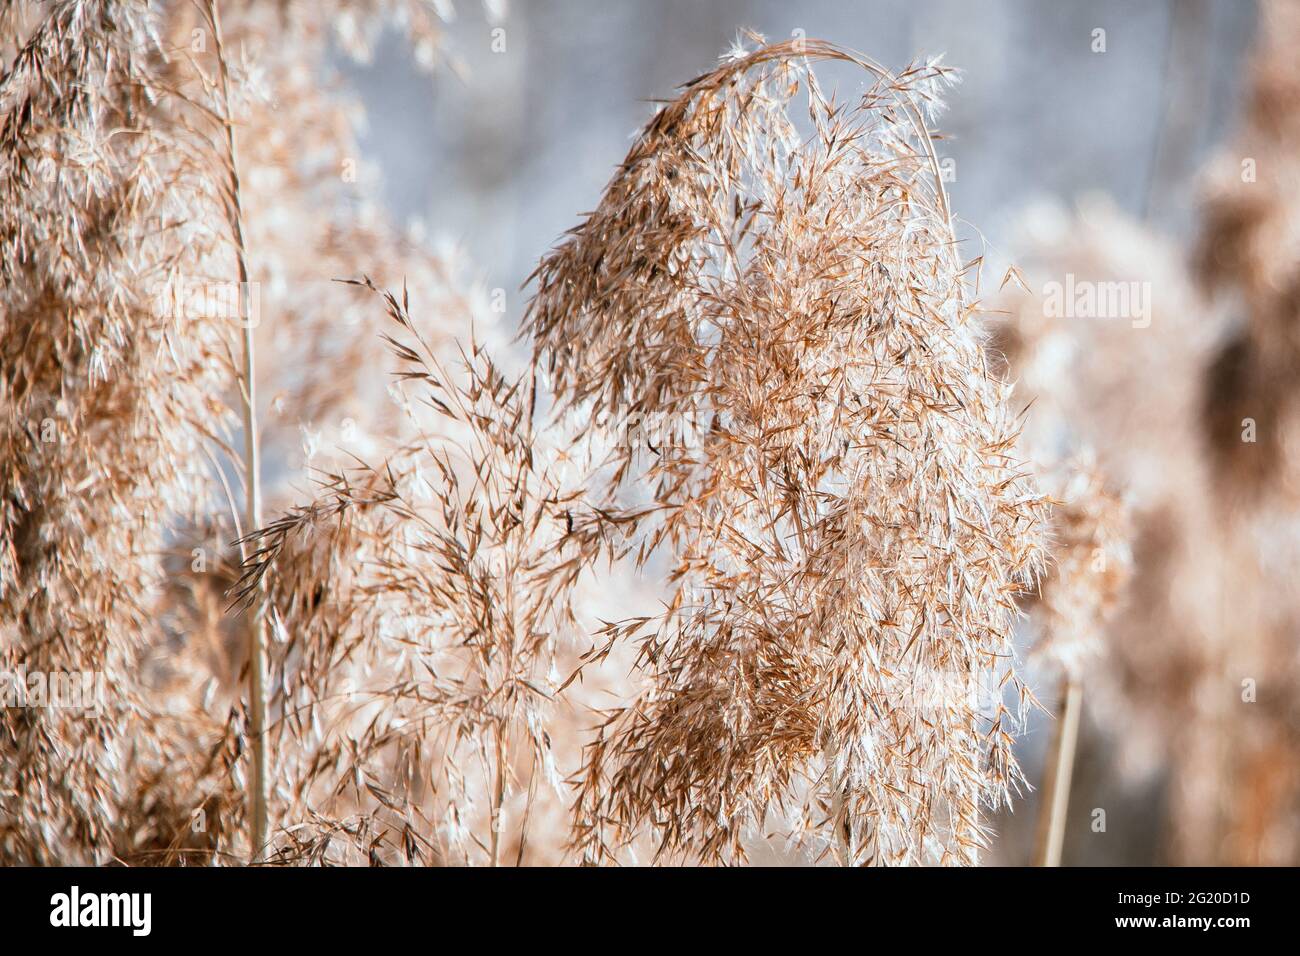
[118, 385]
[105, 399]
[831, 468]
[759, 378]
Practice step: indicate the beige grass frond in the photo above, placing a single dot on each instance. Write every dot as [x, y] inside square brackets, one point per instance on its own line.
[777, 291]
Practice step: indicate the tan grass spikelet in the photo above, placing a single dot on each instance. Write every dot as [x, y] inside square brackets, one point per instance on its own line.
[426, 610]
[847, 524]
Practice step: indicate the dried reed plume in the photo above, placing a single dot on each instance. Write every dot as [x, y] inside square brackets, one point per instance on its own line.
[1198, 677]
[1250, 416]
[1091, 568]
[1248, 251]
[834, 477]
[117, 442]
[425, 603]
[1086, 585]
[107, 400]
[1146, 650]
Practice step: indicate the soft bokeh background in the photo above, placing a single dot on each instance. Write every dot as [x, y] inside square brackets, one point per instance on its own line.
[505, 154]
[500, 151]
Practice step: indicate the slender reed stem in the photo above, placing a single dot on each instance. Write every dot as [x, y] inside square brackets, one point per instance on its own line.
[1056, 784]
[498, 794]
[258, 788]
